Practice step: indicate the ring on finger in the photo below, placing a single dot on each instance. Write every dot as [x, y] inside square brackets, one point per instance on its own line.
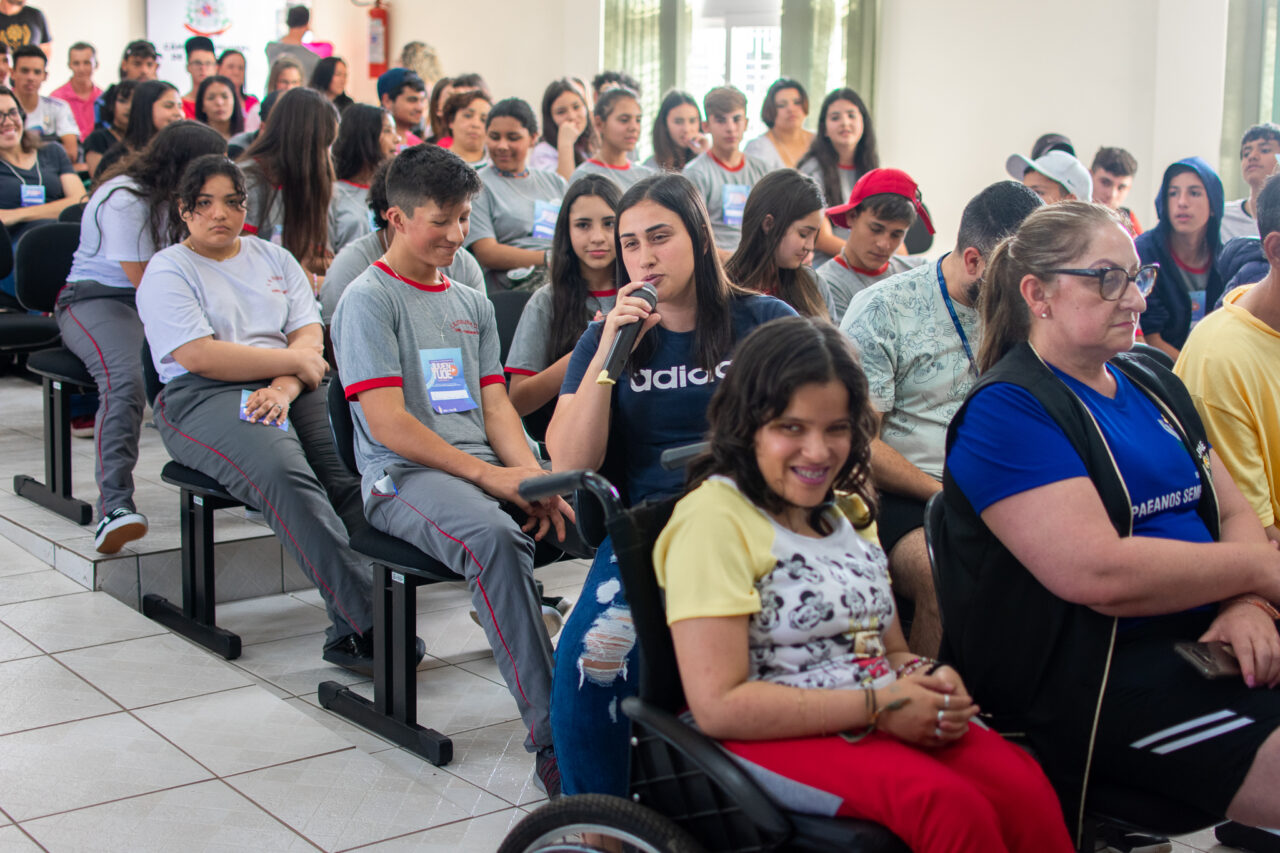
[937, 732]
[939, 716]
[946, 700]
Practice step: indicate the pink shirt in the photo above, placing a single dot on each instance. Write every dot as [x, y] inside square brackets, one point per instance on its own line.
[81, 108]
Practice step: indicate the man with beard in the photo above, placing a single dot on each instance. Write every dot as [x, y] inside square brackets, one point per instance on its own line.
[917, 334]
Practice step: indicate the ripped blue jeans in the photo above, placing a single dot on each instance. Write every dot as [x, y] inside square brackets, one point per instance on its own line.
[595, 670]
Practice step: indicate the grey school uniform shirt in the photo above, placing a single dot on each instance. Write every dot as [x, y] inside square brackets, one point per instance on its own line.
[725, 192]
[625, 176]
[844, 282]
[439, 344]
[348, 214]
[529, 354]
[518, 212]
[359, 255]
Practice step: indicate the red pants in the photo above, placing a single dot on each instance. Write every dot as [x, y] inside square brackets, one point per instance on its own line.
[978, 795]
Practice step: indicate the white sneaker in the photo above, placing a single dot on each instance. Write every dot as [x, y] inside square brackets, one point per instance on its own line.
[551, 618]
[119, 526]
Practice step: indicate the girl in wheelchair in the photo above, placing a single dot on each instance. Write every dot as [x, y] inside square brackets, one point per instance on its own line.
[784, 627]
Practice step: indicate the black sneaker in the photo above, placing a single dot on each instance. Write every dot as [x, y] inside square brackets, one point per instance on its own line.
[1248, 838]
[546, 771]
[355, 652]
[117, 527]
[1116, 839]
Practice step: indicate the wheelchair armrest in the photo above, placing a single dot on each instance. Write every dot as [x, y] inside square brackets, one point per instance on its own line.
[712, 760]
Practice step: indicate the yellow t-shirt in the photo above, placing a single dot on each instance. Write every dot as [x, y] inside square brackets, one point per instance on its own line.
[818, 607]
[1231, 366]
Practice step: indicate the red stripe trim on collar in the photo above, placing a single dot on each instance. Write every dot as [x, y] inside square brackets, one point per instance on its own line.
[432, 288]
[609, 166]
[725, 166]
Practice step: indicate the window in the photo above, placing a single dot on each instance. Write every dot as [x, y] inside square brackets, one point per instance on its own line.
[737, 43]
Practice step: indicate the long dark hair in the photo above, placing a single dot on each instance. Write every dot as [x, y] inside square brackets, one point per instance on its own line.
[358, 148]
[244, 96]
[322, 74]
[114, 94]
[198, 173]
[550, 130]
[237, 109]
[786, 195]
[569, 312]
[142, 125]
[865, 156]
[156, 172]
[666, 153]
[436, 122]
[768, 366]
[713, 291]
[292, 150]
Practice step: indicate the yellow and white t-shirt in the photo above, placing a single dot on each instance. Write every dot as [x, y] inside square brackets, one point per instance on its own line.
[818, 607]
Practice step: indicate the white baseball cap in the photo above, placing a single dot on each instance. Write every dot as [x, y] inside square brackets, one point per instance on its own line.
[1056, 165]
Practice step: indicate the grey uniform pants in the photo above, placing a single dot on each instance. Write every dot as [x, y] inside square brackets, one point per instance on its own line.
[295, 478]
[465, 528]
[100, 325]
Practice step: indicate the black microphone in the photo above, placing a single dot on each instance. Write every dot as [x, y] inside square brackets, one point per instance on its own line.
[626, 338]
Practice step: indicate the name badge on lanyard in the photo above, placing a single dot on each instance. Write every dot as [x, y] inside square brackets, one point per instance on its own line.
[544, 219]
[733, 201]
[32, 194]
[446, 383]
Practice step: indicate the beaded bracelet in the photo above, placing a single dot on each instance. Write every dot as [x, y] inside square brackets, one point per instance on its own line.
[1266, 606]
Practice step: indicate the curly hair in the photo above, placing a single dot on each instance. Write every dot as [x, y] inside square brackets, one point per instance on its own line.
[769, 365]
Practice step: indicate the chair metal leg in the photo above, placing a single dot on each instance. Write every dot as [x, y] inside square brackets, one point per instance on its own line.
[55, 493]
[393, 712]
[196, 619]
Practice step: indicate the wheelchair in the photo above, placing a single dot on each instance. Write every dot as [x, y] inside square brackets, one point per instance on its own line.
[687, 794]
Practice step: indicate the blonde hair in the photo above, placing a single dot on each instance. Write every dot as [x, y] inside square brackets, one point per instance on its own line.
[1051, 236]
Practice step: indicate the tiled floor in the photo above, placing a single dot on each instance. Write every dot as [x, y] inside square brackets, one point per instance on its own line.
[118, 735]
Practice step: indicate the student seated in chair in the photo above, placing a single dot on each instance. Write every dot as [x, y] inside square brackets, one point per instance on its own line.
[236, 338]
[439, 446]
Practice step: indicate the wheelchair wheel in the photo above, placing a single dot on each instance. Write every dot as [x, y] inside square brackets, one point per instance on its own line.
[596, 822]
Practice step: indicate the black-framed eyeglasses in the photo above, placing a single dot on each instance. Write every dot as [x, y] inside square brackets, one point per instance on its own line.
[1113, 281]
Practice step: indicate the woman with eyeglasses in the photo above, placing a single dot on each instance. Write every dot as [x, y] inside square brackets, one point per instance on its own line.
[1090, 527]
[35, 182]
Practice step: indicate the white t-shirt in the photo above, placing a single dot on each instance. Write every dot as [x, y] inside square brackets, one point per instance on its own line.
[917, 371]
[1237, 223]
[115, 227]
[52, 118]
[257, 298]
[544, 157]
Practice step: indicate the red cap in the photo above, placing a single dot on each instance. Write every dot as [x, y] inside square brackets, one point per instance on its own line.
[879, 181]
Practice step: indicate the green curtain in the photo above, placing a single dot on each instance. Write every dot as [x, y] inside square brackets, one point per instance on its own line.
[1251, 91]
[830, 43]
[647, 39]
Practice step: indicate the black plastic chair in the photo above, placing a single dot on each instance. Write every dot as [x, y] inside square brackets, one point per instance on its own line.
[198, 497]
[43, 260]
[398, 570]
[508, 305]
[1128, 810]
[676, 771]
[74, 213]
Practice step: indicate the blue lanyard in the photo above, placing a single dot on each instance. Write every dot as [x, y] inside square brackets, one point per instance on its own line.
[955, 320]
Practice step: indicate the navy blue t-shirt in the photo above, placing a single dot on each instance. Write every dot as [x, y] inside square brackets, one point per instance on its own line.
[1008, 444]
[664, 403]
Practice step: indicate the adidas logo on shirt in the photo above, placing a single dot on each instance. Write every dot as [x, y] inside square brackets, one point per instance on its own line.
[670, 378]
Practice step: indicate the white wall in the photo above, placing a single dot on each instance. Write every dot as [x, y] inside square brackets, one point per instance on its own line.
[959, 90]
[108, 26]
[518, 47]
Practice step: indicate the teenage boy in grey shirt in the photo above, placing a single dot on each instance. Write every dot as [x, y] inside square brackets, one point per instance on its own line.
[724, 175]
[439, 446]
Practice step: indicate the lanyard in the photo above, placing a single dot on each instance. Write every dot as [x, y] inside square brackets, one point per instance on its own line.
[955, 320]
[39, 176]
